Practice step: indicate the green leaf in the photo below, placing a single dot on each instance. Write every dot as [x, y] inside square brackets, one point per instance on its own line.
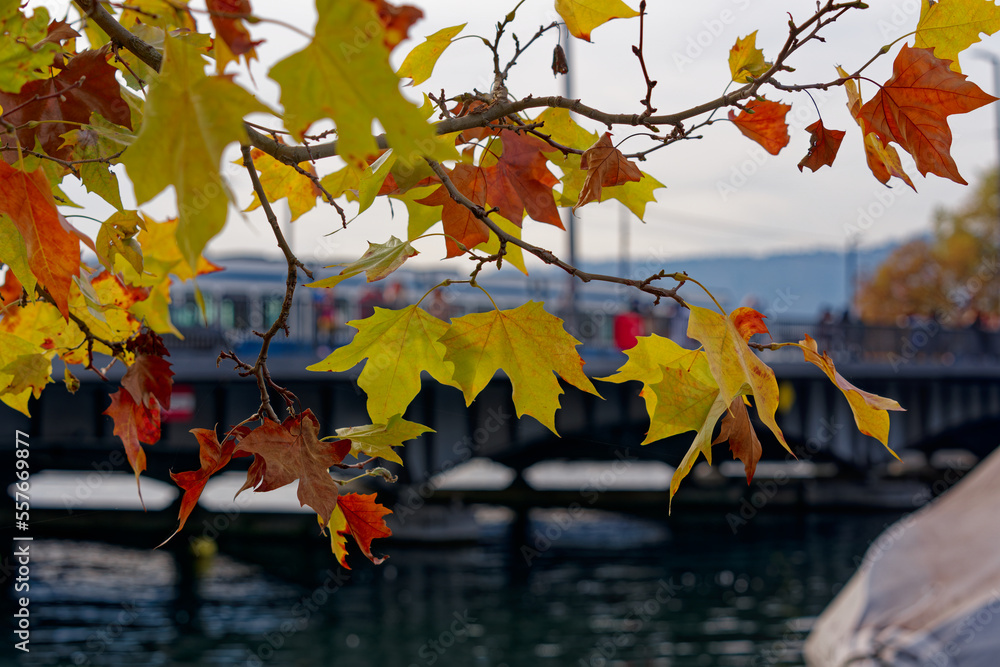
[19, 62]
[377, 440]
[189, 119]
[528, 344]
[420, 61]
[372, 179]
[379, 260]
[398, 344]
[14, 253]
[97, 177]
[340, 77]
[117, 238]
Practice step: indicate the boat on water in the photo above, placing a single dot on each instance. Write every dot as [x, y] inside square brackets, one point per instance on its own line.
[927, 592]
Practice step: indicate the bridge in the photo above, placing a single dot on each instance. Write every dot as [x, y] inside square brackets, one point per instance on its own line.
[948, 381]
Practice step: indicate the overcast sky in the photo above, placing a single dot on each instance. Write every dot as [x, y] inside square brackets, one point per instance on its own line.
[723, 195]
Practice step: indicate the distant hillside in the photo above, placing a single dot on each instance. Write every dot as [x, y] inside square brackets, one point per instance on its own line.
[793, 285]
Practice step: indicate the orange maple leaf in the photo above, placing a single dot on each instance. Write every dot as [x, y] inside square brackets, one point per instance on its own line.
[53, 252]
[292, 451]
[606, 166]
[913, 106]
[738, 431]
[362, 518]
[87, 84]
[520, 181]
[764, 122]
[460, 224]
[149, 377]
[748, 322]
[823, 146]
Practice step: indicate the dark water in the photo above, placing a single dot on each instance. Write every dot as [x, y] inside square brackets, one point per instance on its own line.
[602, 589]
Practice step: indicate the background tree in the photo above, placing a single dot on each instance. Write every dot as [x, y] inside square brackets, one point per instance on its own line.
[951, 276]
[132, 89]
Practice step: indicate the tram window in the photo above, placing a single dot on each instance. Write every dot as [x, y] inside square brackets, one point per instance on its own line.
[272, 308]
[235, 312]
[186, 313]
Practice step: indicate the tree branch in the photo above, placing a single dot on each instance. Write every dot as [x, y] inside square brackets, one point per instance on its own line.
[547, 256]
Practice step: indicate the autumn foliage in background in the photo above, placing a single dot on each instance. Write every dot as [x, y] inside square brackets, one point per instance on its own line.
[147, 92]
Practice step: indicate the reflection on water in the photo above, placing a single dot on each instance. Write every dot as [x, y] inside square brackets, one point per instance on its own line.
[600, 589]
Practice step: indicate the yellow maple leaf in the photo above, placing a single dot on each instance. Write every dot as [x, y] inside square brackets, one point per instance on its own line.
[527, 343]
[746, 61]
[951, 26]
[582, 16]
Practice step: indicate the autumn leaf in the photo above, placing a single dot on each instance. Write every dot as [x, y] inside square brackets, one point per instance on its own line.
[883, 161]
[582, 16]
[227, 19]
[913, 106]
[353, 84]
[528, 344]
[380, 260]
[823, 146]
[951, 26]
[14, 253]
[26, 58]
[735, 367]
[24, 371]
[396, 21]
[870, 410]
[737, 430]
[513, 253]
[605, 166]
[189, 119]
[95, 175]
[377, 440]
[292, 451]
[362, 517]
[746, 61]
[398, 344]
[280, 181]
[649, 361]
[53, 253]
[149, 377]
[764, 122]
[460, 224]
[116, 238]
[64, 103]
[214, 457]
[520, 181]
[419, 63]
[134, 424]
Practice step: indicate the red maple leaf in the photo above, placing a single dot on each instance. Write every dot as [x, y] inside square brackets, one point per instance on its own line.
[460, 224]
[227, 19]
[823, 146]
[364, 522]
[135, 423]
[214, 457]
[396, 21]
[606, 167]
[149, 377]
[520, 181]
[87, 84]
[764, 122]
[293, 451]
[748, 322]
[912, 109]
[53, 252]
